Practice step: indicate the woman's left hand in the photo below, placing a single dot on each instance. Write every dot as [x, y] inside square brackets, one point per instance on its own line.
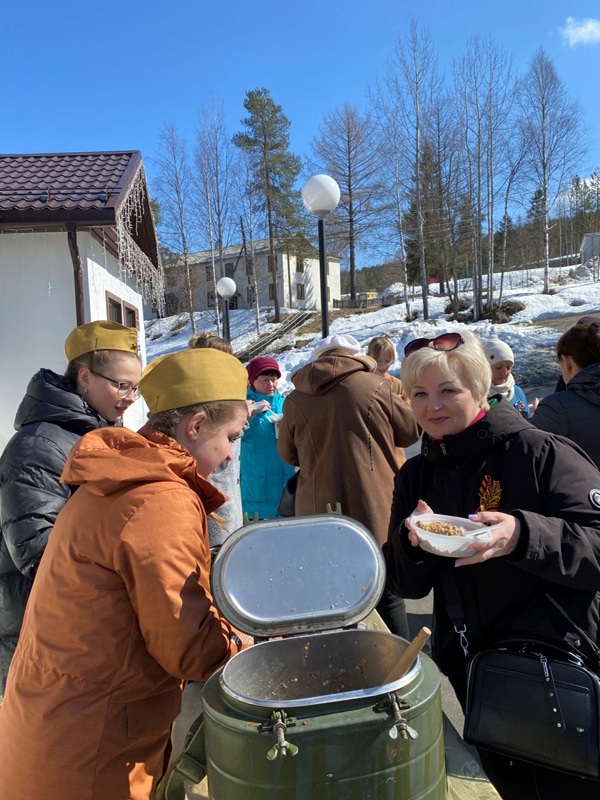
[505, 537]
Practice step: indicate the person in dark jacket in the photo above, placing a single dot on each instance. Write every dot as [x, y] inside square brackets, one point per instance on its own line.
[575, 412]
[560, 383]
[481, 460]
[100, 383]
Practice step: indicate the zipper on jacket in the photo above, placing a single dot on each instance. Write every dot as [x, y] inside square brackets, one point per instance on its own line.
[443, 449]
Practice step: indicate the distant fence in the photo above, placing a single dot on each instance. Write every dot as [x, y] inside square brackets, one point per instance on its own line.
[514, 278]
[378, 302]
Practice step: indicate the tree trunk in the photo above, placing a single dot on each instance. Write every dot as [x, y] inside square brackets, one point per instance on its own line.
[273, 262]
[190, 292]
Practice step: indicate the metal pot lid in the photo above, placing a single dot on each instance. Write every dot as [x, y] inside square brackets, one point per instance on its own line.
[298, 574]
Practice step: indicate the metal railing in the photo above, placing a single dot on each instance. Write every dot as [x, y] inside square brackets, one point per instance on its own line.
[261, 344]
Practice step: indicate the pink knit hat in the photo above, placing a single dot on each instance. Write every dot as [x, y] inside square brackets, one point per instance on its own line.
[258, 366]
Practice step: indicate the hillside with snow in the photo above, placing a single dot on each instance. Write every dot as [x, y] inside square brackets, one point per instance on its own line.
[573, 291]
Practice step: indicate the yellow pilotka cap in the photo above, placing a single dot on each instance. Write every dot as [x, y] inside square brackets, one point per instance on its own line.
[100, 335]
[193, 376]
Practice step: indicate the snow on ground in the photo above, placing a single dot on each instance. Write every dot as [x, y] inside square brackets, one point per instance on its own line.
[533, 346]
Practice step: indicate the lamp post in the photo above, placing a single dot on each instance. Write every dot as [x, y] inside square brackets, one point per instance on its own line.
[225, 289]
[320, 195]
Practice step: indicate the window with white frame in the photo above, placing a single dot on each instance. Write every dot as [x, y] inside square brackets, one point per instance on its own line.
[229, 269]
[300, 291]
[210, 299]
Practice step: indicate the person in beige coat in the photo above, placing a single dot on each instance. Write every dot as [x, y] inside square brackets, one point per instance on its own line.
[342, 426]
[121, 611]
[381, 349]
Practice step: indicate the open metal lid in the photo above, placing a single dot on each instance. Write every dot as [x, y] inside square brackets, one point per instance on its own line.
[298, 574]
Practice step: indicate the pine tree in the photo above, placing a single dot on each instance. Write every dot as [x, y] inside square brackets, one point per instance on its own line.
[266, 140]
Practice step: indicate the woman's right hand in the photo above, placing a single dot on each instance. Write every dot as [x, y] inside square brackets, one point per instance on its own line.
[258, 407]
[421, 508]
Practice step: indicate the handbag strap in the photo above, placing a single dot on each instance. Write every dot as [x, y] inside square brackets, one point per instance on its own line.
[551, 692]
[456, 612]
[454, 607]
[589, 640]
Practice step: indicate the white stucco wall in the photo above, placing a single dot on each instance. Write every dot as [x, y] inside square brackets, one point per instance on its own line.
[37, 310]
[102, 271]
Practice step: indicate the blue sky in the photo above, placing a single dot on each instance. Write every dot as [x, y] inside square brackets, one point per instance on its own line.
[78, 76]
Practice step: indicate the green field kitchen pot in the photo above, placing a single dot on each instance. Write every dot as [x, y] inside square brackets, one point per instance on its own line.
[317, 710]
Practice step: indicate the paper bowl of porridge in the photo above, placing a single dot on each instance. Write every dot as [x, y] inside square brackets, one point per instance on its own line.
[449, 536]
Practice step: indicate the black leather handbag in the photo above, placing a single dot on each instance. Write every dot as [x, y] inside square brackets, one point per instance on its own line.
[531, 700]
[536, 703]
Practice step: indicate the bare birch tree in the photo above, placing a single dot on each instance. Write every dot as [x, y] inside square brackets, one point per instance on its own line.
[393, 170]
[215, 159]
[444, 210]
[252, 227]
[484, 91]
[174, 191]
[551, 126]
[410, 86]
[345, 147]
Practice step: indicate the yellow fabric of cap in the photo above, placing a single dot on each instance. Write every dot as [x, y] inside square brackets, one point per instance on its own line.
[193, 376]
[100, 335]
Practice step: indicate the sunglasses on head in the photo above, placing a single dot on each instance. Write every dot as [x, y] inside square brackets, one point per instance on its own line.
[445, 342]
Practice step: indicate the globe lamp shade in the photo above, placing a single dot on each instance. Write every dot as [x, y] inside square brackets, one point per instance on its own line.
[226, 287]
[320, 195]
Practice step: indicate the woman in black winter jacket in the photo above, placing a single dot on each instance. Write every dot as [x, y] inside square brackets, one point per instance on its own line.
[542, 494]
[575, 411]
[99, 385]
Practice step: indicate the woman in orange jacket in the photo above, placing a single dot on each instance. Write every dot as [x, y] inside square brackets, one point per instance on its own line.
[121, 611]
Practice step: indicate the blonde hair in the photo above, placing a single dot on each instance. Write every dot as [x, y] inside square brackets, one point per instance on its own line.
[218, 412]
[208, 339]
[381, 345]
[468, 358]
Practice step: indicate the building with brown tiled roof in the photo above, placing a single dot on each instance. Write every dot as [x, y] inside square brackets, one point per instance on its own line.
[77, 243]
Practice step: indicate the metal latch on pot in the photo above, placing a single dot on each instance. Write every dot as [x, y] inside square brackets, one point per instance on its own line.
[279, 726]
[400, 727]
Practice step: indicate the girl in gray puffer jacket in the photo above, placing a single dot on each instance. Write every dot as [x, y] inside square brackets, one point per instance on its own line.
[99, 385]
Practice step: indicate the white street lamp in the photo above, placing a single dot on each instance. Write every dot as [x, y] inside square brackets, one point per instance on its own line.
[320, 195]
[226, 288]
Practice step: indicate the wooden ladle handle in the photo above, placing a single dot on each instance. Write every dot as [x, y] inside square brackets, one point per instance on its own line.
[411, 652]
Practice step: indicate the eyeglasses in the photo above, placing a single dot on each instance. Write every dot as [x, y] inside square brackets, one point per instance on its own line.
[124, 389]
[445, 342]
